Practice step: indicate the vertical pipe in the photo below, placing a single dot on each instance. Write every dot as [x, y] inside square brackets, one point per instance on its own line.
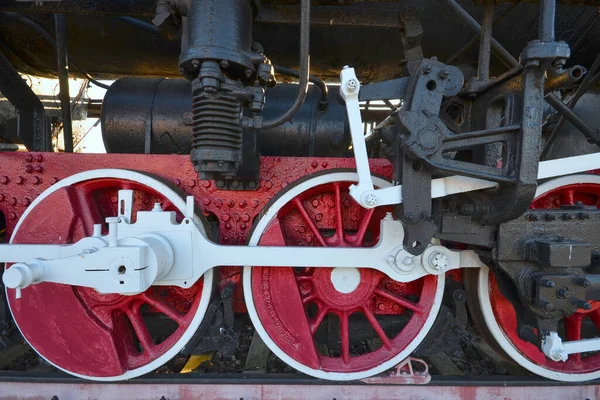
[485, 42]
[547, 17]
[63, 79]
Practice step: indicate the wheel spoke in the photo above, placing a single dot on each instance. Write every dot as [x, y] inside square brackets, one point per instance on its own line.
[308, 298]
[573, 326]
[86, 209]
[567, 197]
[166, 309]
[141, 330]
[399, 300]
[309, 221]
[339, 223]
[364, 224]
[345, 338]
[377, 327]
[314, 325]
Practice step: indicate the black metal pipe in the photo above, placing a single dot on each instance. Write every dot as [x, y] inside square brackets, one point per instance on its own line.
[588, 80]
[304, 70]
[497, 49]
[63, 80]
[593, 135]
[324, 102]
[485, 43]
[564, 78]
[139, 24]
[547, 18]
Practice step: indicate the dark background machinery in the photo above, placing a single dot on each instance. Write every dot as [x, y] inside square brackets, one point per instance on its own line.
[364, 34]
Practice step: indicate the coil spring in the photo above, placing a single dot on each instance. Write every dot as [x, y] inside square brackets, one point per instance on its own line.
[217, 143]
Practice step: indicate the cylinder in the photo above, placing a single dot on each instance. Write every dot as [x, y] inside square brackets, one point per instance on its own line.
[141, 115]
[218, 30]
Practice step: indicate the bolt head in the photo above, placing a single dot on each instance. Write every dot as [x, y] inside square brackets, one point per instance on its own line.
[438, 261]
[372, 200]
[352, 85]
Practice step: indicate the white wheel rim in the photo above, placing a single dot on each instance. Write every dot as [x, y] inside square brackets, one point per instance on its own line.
[180, 204]
[498, 334]
[247, 281]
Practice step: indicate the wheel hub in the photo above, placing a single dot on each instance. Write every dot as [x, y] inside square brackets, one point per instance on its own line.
[345, 280]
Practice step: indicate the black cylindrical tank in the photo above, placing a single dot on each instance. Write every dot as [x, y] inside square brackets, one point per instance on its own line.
[142, 115]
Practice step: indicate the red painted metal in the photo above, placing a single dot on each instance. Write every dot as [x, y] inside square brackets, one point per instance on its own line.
[404, 374]
[77, 328]
[23, 176]
[587, 194]
[285, 298]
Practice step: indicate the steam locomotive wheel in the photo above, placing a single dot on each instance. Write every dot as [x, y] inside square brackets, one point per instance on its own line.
[334, 323]
[102, 336]
[499, 314]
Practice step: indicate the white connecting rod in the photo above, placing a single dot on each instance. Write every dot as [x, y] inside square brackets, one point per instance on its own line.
[156, 250]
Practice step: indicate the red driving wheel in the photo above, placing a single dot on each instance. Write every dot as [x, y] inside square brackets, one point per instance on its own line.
[293, 308]
[93, 335]
[500, 315]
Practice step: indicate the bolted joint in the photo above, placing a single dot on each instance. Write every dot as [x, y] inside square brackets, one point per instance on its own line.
[352, 85]
[438, 261]
[370, 199]
[537, 51]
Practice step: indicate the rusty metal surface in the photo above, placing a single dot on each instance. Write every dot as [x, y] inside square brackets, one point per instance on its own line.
[124, 391]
